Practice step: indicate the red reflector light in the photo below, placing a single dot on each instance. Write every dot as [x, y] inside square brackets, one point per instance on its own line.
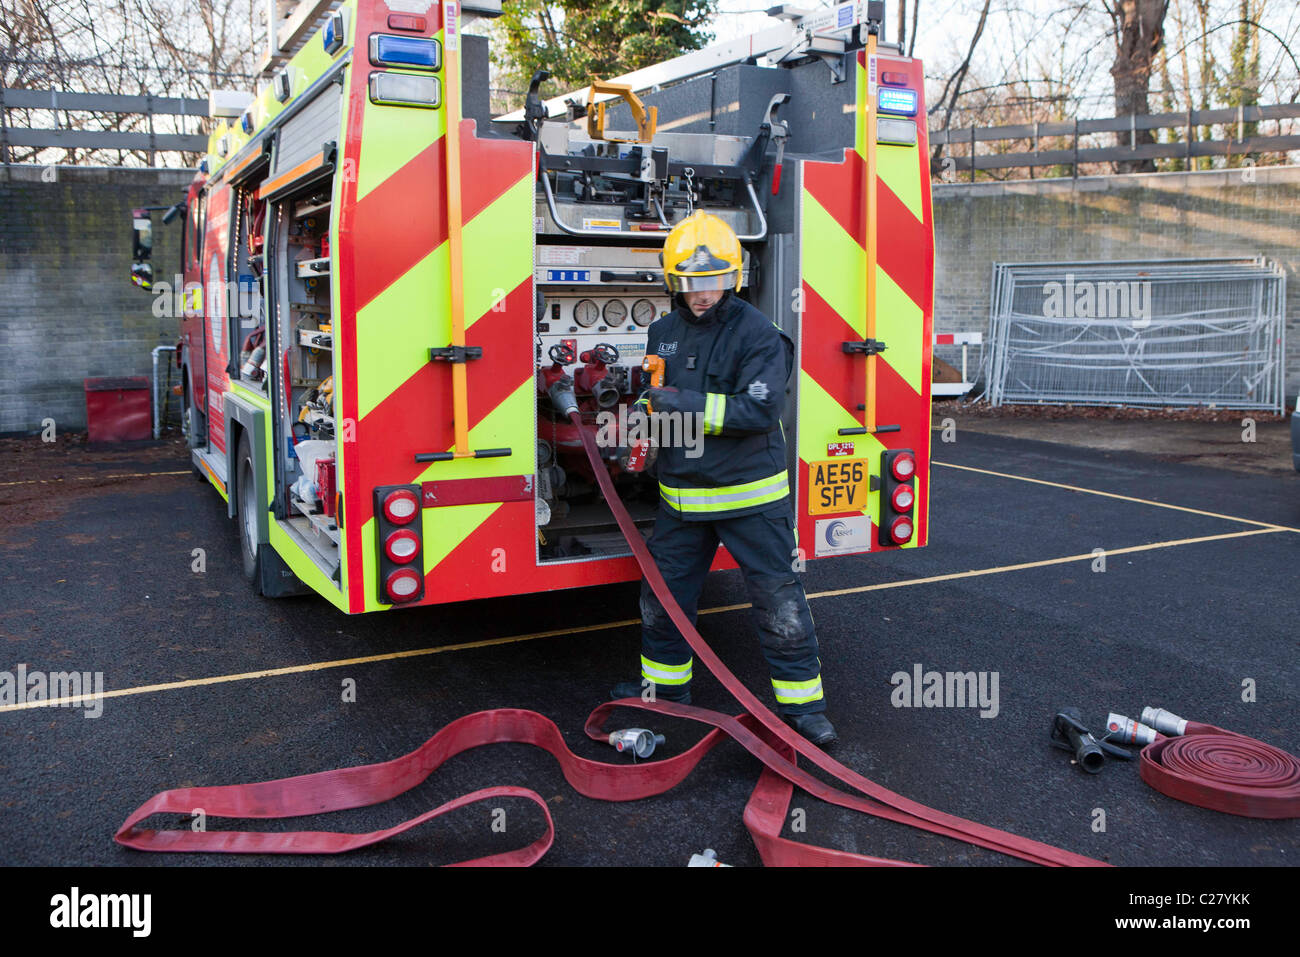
[891, 78]
[404, 21]
[901, 530]
[903, 498]
[402, 545]
[402, 584]
[904, 467]
[401, 506]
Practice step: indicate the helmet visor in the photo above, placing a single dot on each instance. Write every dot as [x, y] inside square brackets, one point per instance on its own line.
[689, 283]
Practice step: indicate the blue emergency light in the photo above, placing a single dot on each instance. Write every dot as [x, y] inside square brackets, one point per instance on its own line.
[334, 33]
[413, 53]
[902, 102]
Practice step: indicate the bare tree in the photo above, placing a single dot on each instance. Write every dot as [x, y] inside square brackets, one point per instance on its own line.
[158, 47]
[952, 89]
[1139, 27]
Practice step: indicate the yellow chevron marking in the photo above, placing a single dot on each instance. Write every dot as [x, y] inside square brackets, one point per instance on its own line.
[509, 425]
[445, 528]
[499, 252]
[833, 264]
[898, 167]
[899, 324]
[396, 329]
[394, 135]
[820, 416]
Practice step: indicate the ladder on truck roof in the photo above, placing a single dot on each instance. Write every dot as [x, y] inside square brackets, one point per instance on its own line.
[822, 33]
[298, 20]
[295, 22]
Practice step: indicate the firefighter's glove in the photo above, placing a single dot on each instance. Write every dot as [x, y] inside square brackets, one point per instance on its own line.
[562, 397]
[668, 399]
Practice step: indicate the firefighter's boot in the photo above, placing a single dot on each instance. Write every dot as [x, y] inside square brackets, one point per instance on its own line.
[678, 694]
[815, 727]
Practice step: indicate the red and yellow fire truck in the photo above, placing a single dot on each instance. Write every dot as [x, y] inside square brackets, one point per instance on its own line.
[380, 279]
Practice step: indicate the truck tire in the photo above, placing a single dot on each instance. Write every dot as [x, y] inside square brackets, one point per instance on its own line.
[247, 511]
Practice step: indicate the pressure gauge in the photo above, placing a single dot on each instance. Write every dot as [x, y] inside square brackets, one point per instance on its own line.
[643, 312]
[586, 312]
[615, 312]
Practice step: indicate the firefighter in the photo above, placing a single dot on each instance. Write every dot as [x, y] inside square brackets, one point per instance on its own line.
[726, 366]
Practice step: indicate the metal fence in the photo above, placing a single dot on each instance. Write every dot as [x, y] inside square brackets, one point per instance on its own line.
[1170, 332]
[1058, 144]
[124, 122]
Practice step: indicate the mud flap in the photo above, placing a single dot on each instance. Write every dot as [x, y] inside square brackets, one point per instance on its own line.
[276, 579]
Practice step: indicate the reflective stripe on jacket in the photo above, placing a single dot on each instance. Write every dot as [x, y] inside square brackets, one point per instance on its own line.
[731, 367]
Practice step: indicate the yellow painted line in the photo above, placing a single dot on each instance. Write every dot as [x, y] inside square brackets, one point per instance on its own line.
[604, 626]
[1089, 556]
[317, 666]
[1123, 498]
[92, 478]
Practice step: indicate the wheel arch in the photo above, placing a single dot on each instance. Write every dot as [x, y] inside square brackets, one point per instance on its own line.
[244, 419]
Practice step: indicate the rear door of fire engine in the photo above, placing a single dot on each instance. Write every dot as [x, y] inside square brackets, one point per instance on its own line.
[213, 273]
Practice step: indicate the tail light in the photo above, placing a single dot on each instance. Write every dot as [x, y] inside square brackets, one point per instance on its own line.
[900, 530]
[402, 546]
[903, 498]
[403, 585]
[401, 506]
[897, 497]
[399, 543]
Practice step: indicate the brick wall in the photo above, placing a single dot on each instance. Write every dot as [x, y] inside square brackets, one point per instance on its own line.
[1146, 216]
[67, 307]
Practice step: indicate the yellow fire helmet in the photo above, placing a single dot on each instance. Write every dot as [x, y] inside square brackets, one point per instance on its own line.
[702, 252]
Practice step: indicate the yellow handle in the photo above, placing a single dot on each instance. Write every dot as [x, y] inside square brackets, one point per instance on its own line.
[655, 366]
[646, 120]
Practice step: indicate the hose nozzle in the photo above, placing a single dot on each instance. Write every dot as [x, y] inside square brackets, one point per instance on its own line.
[640, 742]
[1166, 722]
[1070, 734]
[1127, 731]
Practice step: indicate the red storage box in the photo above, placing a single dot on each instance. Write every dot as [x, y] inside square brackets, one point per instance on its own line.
[118, 409]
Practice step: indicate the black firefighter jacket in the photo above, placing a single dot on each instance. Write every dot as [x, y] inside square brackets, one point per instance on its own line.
[731, 367]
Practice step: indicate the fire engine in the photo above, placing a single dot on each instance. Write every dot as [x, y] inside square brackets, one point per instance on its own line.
[381, 279]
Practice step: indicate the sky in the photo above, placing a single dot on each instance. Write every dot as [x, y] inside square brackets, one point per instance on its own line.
[742, 17]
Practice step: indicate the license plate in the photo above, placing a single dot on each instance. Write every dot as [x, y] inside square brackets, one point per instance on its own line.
[838, 486]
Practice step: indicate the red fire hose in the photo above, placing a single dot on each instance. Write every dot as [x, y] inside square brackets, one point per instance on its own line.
[759, 731]
[1224, 771]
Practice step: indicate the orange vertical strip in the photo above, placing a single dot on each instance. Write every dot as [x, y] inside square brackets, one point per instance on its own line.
[869, 222]
[451, 74]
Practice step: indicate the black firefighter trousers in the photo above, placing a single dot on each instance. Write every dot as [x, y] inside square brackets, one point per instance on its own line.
[763, 545]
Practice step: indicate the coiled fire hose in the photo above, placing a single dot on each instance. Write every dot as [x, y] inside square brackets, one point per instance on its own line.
[1220, 770]
[759, 731]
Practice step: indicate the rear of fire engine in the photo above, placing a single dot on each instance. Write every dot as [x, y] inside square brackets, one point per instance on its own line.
[381, 280]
